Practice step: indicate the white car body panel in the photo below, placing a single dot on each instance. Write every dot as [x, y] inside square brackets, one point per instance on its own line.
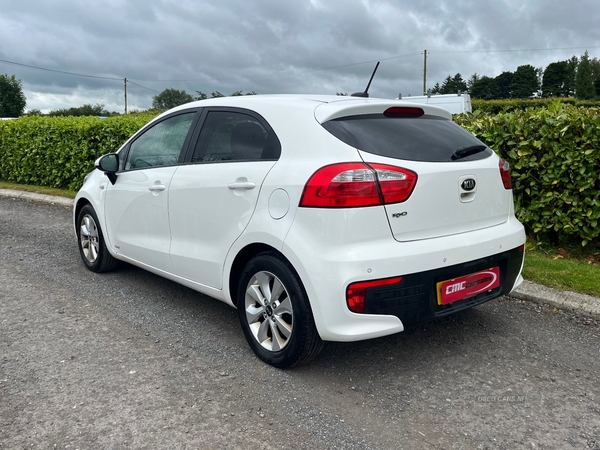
[438, 206]
[137, 216]
[207, 213]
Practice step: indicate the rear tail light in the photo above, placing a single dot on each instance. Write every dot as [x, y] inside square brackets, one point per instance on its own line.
[351, 185]
[505, 173]
[356, 294]
[396, 184]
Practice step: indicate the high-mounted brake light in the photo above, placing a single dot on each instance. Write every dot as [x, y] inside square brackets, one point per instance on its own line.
[356, 294]
[505, 173]
[403, 111]
[352, 185]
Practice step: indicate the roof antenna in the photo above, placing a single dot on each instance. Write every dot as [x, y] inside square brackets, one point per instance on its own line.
[366, 93]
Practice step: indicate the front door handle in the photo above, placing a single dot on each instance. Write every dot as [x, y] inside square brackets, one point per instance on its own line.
[157, 187]
[247, 185]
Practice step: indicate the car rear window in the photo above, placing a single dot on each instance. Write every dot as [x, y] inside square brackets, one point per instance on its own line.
[425, 138]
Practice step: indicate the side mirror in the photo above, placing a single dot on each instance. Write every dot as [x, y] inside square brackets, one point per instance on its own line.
[109, 164]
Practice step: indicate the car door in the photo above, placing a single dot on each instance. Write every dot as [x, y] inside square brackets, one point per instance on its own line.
[136, 206]
[213, 198]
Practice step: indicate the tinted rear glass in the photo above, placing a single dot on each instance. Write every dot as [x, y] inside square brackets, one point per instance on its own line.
[425, 138]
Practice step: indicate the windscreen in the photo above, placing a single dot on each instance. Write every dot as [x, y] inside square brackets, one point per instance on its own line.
[425, 138]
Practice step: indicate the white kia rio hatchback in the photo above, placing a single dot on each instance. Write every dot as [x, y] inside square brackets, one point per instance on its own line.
[320, 218]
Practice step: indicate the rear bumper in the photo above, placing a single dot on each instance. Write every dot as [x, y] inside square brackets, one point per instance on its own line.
[358, 248]
[414, 299]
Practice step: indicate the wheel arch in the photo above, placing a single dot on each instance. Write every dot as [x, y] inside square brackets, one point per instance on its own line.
[240, 261]
[78, 207]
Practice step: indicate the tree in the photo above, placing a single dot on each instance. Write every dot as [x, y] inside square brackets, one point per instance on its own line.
[12, 99]
[484, 88]
[503, 85]
[596, 75]
[451, 85]
[458, 84]
[170, 98]
[216, 94]
[556, 80]
[571, 73]
[85, 110]
[584, 81]
[437, 89]
[472, 80]
[524, 82]
[240, 93]
[446, 85]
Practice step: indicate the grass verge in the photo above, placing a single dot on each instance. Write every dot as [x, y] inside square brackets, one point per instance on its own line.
[563, 269]
[38, 189]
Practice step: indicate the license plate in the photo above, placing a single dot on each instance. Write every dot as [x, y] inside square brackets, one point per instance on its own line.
[467, 286]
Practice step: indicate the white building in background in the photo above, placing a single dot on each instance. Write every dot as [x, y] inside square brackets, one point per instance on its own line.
[454, 103]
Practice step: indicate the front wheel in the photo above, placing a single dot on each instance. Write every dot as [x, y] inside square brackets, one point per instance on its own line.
[275, 313]
[92, 246]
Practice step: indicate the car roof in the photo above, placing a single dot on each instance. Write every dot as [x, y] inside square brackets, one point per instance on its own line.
[326, 107]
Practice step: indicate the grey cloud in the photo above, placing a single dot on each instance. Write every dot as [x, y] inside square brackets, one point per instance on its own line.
[272, 46]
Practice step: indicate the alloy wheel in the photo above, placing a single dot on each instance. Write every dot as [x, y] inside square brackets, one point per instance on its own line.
[269, 311]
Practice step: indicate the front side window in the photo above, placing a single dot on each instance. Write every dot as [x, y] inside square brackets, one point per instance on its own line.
[234, 136]
[160, 145]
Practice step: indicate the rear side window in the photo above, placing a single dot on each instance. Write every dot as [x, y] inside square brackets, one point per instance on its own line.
[425, 138]
[234, 136]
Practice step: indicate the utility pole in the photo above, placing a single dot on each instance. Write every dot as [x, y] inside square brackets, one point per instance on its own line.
[425, 72]
[125, 84]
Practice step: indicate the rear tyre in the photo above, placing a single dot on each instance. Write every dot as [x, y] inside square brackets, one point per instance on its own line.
[275, 313]
[92, 246]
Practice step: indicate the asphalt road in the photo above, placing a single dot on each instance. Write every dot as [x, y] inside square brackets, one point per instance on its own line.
[130, 360]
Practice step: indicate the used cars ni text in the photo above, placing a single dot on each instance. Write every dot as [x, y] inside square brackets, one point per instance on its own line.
[320, 218]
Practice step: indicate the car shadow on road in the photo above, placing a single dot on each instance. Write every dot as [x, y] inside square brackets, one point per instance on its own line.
[478, 330]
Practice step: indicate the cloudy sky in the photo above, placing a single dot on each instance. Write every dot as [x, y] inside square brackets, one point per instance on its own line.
[276, 46]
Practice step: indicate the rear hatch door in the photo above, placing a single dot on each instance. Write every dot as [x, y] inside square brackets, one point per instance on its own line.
[459, 187]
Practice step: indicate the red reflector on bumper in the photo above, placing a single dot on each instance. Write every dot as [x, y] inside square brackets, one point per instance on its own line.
[356, 293]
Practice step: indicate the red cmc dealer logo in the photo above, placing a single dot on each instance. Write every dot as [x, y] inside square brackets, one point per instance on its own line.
[468, 285]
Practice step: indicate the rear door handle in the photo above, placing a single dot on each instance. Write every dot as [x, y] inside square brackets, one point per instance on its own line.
[157, 187]
[247, 185]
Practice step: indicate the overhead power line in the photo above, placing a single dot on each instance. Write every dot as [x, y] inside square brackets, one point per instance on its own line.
[97, 77]
[60, 71]
[74, 73]
[139, 85]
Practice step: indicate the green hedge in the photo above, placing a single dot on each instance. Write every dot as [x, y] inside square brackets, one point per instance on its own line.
[554, 154]
[498, 106]
[59, 151]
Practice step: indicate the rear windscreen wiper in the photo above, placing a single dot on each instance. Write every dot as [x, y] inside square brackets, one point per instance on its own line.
[463, 152]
